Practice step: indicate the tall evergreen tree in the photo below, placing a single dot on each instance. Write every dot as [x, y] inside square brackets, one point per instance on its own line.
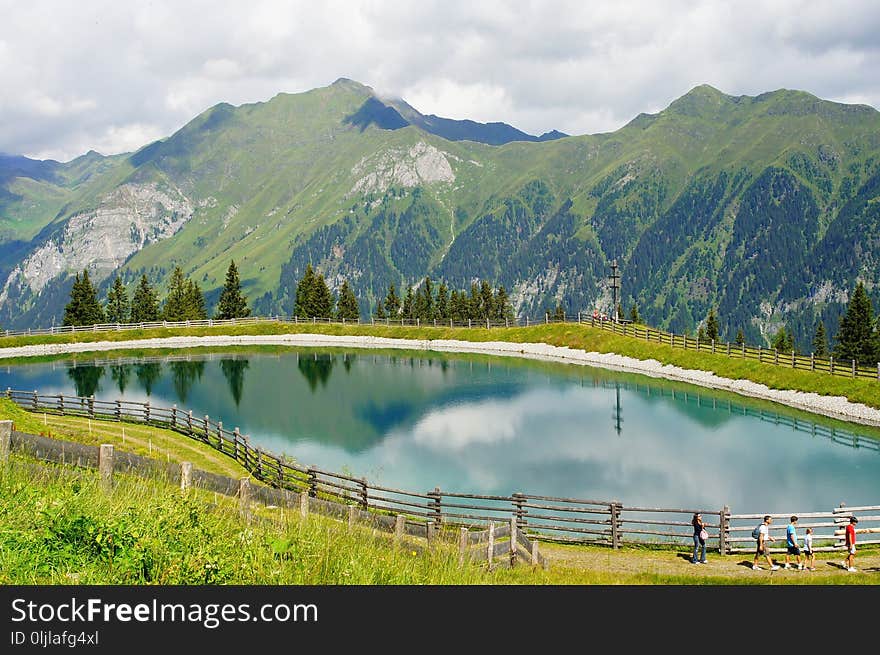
[348, 305]
[392, 302]
[474, 303]
[305, 290]
[380, 312]
[458, 306]
[73, 308]
[740, 337]
[783, 341]
[195, 302]
[232, 303]
[855, 338]
[176, 300]
[820, 341]
[712, 325]
[409, 305]
[144, 303]
[487, 300]
[558, 313]
[118, 307]
[442, 309]
[323, 298]
[502, 308]
[83, 307]
[701, 335]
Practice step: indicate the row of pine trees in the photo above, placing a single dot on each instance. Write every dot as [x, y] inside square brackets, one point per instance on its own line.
[429, 302]
[184, 301]
[858, 335]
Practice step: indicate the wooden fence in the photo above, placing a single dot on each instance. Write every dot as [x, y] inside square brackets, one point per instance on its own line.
[537, 517]
[844, 368]
[490, 543]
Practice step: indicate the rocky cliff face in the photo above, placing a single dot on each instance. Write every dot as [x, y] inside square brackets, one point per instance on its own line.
[127, 219]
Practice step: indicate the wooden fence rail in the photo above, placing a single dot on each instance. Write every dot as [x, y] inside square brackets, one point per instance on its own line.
[845, 368]
[535, 517]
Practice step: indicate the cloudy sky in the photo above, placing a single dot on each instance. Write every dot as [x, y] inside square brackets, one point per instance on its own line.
[115, 75]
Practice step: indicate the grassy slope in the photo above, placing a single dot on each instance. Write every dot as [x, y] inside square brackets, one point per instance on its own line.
[582, 337]
[57, 527]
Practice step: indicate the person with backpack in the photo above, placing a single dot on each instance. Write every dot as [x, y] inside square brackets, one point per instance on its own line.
[700, 536]
[762, 534]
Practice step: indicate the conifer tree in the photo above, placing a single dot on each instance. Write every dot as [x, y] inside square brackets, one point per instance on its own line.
[442, 309]
[474, 302]
[195, 302]
[380, 312]
[855, 338]
[701, 335]
[820, 341]
[118, 307]
[487, 301]
[83, 307]
[176, 301]
[322, 298]
[232, 303]
[740, 337]
[392, 302]
[458, 306]
[409, 305]
[303, 302]
[144, 303]
[783, 341]
[712, 326]
[348, 305]
[503, 310]
[558, 313]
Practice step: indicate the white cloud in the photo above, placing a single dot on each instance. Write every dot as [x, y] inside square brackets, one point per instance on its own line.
[93, 74]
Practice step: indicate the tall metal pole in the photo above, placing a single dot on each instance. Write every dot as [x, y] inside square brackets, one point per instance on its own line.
[615, 288]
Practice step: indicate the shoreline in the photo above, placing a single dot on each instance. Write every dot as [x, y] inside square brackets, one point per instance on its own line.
[832, 406]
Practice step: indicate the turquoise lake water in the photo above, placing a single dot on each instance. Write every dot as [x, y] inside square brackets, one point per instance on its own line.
[495, 425]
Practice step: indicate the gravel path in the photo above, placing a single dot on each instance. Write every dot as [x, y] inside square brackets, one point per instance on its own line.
[833, 406]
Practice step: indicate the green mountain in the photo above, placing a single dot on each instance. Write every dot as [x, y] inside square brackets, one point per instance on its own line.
[766, 207]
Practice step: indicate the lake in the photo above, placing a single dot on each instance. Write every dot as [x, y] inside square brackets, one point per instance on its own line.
[498, 425]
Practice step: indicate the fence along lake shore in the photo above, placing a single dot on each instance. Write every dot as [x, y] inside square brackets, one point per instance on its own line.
[832, 406]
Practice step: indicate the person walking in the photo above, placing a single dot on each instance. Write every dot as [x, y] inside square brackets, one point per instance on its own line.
[809, 555]
[763, 538]
[791, 544]
[700, 536]
[850, 562]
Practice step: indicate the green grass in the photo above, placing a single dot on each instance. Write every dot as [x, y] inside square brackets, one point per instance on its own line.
[58, 527]
[572, 335]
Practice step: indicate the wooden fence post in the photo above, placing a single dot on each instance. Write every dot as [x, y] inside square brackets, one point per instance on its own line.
[462, 545]
[723, 526]
[853, 368]
[91, 405]
[435, 504]
[831, 364]
[490, 548]
[105, 466]
[118, 410]
[430, 532]
[303, 504]
[147, 412]
[513, 541]
[174, 417]
[760, 355]
[518, 500]
[365, 496]
[615, 531]
[812, 362]
[399, 528]
[351, 514]
[776, 357]
[244, 495]
[186, 470]
[313, 482]
[5, 441]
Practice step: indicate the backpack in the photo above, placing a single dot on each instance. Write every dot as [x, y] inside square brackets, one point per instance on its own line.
[756, 533]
